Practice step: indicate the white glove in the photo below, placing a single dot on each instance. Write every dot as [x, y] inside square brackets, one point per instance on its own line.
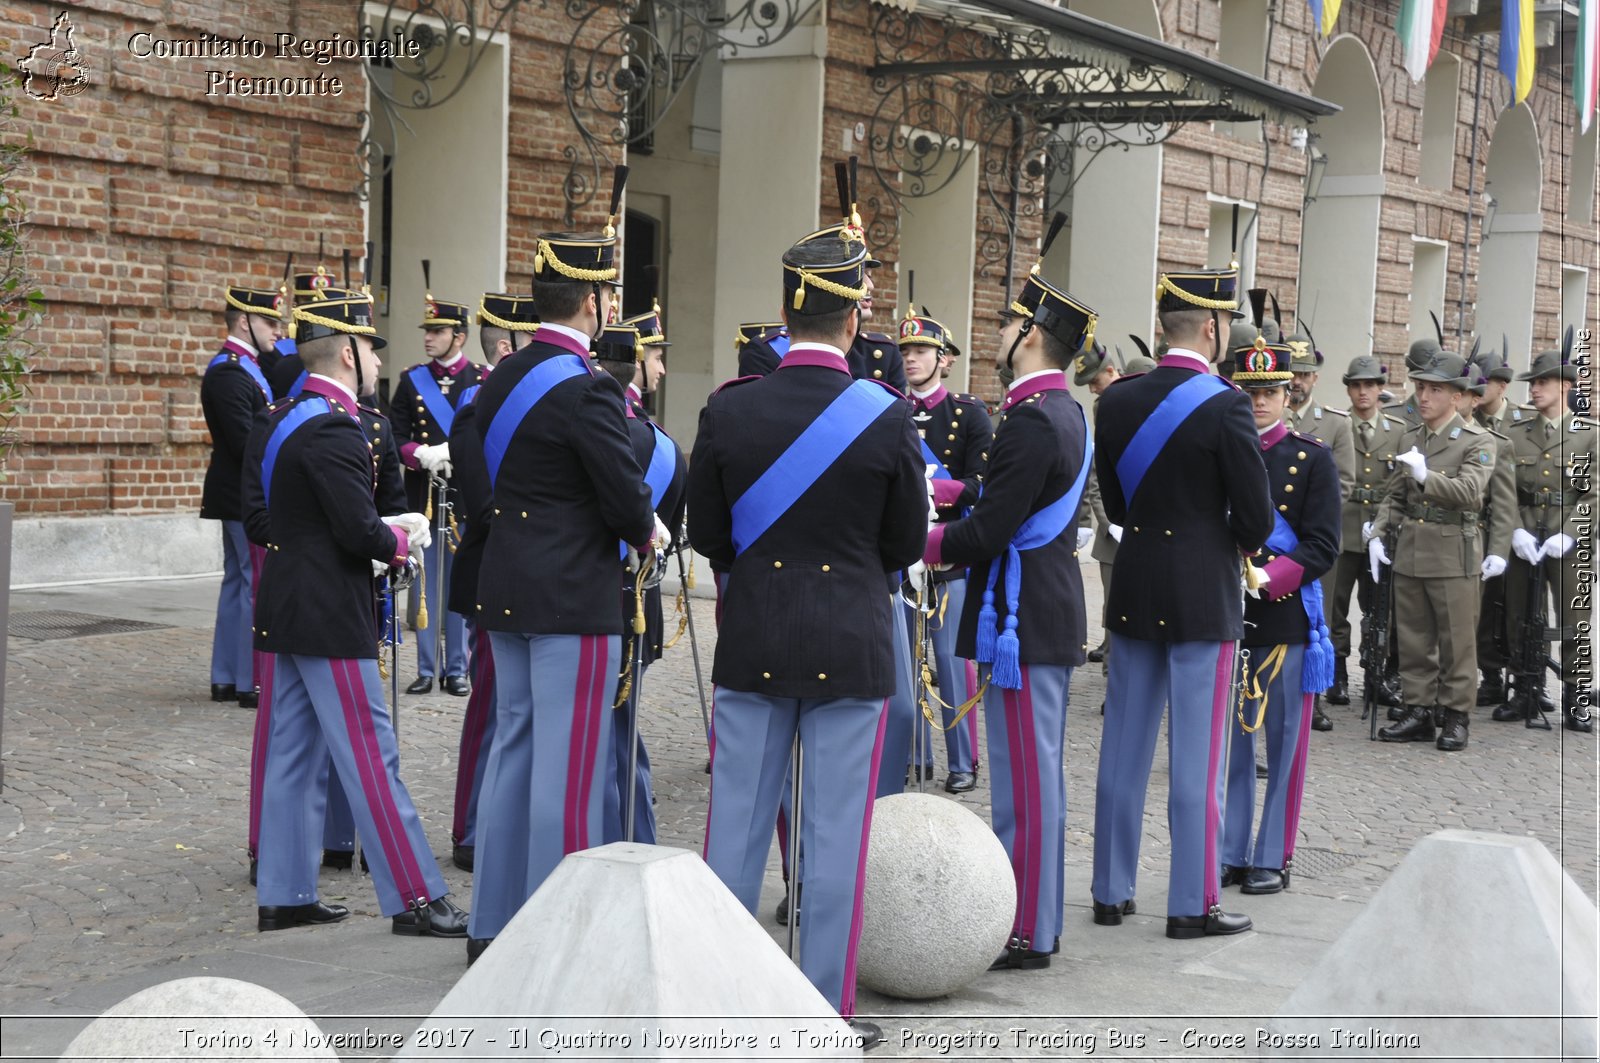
[415, 525]
[1085, 537]
[1262, 579]
[1525, 546]
[435, 459]
[380, 569]
[933, 509]
[661, 538]
[1414, 460]
[916, 572]
[1493, 566]
[1557, 545]
[1115, 530]
[1377, 555]
[1367, 532]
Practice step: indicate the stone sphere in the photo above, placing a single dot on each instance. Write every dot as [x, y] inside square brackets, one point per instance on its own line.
[202, 1018]
[940, 898]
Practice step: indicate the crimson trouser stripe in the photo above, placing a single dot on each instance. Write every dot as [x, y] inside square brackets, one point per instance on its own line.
[543, 786]
[477, 734]
[1145, 677]
[1285, 732]
[1026, 729]
[323, 707]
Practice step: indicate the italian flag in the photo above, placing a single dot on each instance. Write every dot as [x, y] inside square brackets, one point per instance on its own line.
[1585, 60]
[1421, 25]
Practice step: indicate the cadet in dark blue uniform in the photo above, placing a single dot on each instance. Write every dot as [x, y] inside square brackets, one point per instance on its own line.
[1286, 632]
[955, 431]
[567, 492]
[633, 354]
[810, 489]
[760, 345]
[1025, 623]
[233, 391]
[423, 410]
[505, 324]
[1180, 469]
[289, 374]
[308, 497]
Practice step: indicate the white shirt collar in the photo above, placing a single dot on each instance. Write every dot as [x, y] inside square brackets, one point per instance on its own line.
[349, 395]
[249, 347]
[572, 333]
[936, 386]
[446, 363]
[1204, 363]
[812, 345]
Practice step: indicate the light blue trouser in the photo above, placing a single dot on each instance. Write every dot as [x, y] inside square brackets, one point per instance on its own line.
[903, 711]
[544, 788]
[841, 741]
[1026, 732]
[477, 737]
[1288, 733]
[329, 706]
[455, 625]
[232, 638]
[1195, 678]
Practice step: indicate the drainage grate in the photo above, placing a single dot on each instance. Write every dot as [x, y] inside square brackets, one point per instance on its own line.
[1314, 863]
[44, 624]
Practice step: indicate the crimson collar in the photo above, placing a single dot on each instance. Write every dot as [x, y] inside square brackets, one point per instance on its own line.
[1054, 380]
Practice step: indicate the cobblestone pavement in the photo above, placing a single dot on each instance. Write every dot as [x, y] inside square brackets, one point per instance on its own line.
[123, 812]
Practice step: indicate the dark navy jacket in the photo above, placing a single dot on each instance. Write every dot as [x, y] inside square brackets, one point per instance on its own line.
[414, 427]
[568, 491]
[321, 532]
[957, 429]
[1305, 490]
[230, 399]
[873, 356]
[673, 501]
[1033, 460]
[1202, 502]
[806, 609]
[470, 479]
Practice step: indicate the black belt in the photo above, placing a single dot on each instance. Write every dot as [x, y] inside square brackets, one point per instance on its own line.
[1541, 499]
[1366, 494]
[1438, 515]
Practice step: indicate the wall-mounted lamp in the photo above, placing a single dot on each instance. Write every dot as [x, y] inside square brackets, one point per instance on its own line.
[1315, 170]
[1488, 221]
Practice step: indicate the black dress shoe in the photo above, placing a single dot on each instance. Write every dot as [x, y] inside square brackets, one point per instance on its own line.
[455, 684]
[284, 916]
[223, 692]
[1261, 769]
[1265, 880]
[420, 685]
[249, 699]
[781, 913]
[959, 782]
[1097, 655]
[252, 872]
[1319, 719]
[462, 856]
[1453, 735]
[1339, 693]
[1214, 923]
[1417, 726]
[475, 947]
[1111, 914]
[1017, 958]
[440, 919]
[869, 1032]
[338, 859]
[1233, 876]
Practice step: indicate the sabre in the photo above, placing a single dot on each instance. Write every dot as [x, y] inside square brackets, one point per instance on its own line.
[687, 582]
[440, 489]
[795, 794]
[645, 564]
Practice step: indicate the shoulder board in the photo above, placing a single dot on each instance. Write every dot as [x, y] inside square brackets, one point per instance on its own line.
[970, 400]
[1497, 434]
[1308, 439]
[1398, 407]
[1341, 413]
[372, 410]
[1472, 429]
[890, 388]
[726, 384]
[279, 404]
[880, 337]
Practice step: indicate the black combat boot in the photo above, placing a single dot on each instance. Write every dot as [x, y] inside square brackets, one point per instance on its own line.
[1453, 737]
[1339, 693]
[1492, 691]
[1319, 719]
[1416, 726]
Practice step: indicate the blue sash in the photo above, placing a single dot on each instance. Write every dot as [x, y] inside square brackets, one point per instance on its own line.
[811, 454]
[1041, 528]
[780, 345]
[658, 477]
[249, 365]
[433, 399]
[930, 458]
[467, 396]
[1316, 675]
[298, 414]
[299, 384]
[1159, 427]
[523, 398]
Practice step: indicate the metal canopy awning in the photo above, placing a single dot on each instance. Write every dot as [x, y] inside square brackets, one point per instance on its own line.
[1079, 69]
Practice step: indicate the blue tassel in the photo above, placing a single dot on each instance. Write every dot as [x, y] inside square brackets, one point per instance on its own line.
[1316, 674]
[986, 624]
[1007, 671]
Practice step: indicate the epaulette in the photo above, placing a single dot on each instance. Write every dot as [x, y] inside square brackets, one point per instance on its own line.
[1473, 429]
[1308, 439]
[277, 404]
[364, 408]
[1341, 413]
[736, 380]
[885, 385]
[1127, 376]
[881, 337]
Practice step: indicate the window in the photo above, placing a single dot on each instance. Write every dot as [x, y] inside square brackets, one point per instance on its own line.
[1219, 249]
[1430, 261]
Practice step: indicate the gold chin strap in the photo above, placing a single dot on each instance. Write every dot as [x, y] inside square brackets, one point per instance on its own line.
[1253, 689]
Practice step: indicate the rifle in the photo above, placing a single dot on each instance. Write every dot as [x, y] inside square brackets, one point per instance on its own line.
[1532, 655]
[1376, 625]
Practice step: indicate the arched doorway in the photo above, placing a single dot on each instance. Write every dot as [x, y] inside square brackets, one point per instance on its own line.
[1508, 256]
[1339, 229]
